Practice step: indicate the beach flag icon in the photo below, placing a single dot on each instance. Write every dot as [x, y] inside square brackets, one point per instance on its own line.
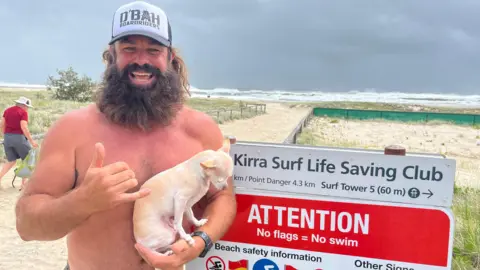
[238, 265]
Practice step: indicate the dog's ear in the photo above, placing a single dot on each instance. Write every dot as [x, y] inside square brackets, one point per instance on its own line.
[208, 164]
[226, 145]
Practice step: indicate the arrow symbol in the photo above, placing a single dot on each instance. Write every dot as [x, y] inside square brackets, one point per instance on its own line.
[429, 193]
[268, 267]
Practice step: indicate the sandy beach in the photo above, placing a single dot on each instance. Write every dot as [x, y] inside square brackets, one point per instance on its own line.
[274, 126]
[461, 143]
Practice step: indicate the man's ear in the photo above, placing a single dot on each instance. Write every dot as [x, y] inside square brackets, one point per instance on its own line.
[208, 164]
[172, 54]
[111, 55]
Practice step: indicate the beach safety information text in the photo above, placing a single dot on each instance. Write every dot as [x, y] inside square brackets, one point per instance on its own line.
[427, 181]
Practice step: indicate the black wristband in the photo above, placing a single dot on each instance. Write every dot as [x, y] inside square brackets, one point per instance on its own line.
[206, 239]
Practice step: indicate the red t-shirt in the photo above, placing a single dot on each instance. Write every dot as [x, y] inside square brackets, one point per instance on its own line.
[13, 116]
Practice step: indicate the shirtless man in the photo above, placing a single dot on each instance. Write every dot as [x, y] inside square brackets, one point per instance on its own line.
[94, 159]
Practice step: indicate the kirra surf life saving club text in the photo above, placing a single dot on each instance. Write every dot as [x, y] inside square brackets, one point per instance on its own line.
[318, 165]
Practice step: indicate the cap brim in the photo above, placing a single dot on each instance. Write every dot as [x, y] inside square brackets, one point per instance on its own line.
[158, 38]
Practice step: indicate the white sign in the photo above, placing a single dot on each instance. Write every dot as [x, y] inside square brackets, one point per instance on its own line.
[367, 175]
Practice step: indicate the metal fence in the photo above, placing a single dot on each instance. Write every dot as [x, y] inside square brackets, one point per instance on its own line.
[292, 137]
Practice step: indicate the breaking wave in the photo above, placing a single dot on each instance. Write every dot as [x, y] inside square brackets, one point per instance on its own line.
[356, 96]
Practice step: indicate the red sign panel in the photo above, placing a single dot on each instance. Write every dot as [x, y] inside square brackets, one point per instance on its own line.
[386, 232]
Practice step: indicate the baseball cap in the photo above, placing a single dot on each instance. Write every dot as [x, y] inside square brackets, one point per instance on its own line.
[141, 18]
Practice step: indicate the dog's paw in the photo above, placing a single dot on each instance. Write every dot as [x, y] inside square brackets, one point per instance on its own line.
[166, 253]
[189, 239]
[201, 222]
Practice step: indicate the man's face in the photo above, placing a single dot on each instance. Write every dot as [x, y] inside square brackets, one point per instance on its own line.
[141, 50]
[140, 88]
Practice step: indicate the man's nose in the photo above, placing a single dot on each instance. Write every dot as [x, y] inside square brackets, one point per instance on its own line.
[141, 58]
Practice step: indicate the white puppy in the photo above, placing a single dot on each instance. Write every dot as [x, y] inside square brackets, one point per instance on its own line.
[173, 193]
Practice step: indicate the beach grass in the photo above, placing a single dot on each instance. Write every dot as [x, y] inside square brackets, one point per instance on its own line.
[466, 209]
[47, 110]
[466, 201]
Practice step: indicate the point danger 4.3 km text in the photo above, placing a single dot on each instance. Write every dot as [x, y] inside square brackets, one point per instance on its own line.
[278, 182]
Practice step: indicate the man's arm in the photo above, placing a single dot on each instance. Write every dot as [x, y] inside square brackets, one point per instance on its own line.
[220, 205]
[221, 209]
[2, 126]
[47, 210]
[26, 131]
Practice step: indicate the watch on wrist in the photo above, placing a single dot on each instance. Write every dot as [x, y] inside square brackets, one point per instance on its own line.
[206, 239]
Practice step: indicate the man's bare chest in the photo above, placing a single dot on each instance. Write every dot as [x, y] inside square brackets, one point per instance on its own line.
[145, 156]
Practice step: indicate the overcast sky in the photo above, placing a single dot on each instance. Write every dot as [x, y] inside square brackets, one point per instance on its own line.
[337, 45]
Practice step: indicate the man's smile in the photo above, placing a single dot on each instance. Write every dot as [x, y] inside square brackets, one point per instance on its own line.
[141, 77]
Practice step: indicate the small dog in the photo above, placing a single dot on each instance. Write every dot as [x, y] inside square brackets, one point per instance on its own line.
[173, 193]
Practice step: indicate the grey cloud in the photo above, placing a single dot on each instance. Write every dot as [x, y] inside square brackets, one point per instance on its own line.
[408, 45]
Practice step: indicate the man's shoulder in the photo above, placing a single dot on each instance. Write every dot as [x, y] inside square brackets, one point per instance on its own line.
[74, 120]
[9, 109]
[13, 111]
[78, 114]
[70, 129]
[195, 116]
[202, 127]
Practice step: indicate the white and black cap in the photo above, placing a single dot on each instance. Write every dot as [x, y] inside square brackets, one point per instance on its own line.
[141, 18]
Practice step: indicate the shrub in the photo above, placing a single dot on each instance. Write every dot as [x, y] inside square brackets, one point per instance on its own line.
[69, 86]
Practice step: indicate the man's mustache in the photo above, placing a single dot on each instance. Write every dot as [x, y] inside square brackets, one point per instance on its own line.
[140, 68]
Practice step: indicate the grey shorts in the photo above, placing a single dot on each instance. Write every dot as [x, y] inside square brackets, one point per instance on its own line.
[16, 146]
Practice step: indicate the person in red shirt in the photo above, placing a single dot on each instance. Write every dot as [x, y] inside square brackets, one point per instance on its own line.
[17, 138]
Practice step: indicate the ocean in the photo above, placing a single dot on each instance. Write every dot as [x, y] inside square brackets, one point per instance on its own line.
[370, 95]
[471, 101]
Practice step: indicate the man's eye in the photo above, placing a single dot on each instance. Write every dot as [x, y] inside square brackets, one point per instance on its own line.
[128, 49]
[153, 51]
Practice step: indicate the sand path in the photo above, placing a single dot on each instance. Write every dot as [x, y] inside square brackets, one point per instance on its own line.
[274, 126]
[16, 254]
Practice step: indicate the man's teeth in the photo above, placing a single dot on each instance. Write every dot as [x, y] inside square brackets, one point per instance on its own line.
[142, 75]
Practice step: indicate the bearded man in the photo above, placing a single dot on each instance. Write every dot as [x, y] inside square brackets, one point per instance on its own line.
[93, 160]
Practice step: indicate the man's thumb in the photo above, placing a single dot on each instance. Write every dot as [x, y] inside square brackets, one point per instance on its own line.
[98, 156]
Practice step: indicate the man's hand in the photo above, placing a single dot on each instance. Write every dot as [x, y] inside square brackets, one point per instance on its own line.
[182, 254]
[105, 187]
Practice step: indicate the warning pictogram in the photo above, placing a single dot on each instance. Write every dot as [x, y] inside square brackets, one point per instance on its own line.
[215, 263]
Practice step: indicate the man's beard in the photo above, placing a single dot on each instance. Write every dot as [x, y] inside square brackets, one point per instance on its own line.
[133, 106]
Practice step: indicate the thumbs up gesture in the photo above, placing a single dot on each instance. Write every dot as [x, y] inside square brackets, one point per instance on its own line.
[106, 186]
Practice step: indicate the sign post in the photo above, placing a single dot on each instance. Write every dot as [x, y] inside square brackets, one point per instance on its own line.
[314, 208]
